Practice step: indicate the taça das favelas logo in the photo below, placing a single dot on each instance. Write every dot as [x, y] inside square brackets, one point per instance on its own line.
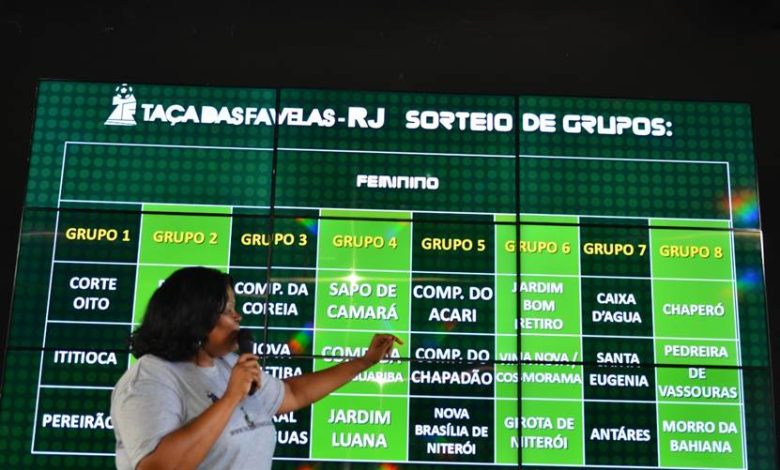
[124, 107]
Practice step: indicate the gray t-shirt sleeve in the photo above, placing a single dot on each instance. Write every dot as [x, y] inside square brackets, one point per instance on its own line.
[144, 412]
[272, 391]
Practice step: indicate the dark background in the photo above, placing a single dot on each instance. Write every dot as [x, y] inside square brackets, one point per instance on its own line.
[659, 49]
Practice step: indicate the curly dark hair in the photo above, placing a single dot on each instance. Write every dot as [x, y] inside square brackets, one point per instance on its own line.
[181, 313]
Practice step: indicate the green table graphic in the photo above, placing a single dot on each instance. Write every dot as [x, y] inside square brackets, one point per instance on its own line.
[565, 298]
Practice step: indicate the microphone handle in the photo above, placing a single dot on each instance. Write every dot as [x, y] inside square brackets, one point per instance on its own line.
[245, 341]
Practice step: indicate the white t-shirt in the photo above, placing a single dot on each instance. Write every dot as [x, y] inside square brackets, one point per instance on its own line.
[155, 397]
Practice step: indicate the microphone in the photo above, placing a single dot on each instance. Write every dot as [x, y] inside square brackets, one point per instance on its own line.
[245, 341]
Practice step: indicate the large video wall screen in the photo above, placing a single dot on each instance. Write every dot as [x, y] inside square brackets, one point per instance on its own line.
[577, 281]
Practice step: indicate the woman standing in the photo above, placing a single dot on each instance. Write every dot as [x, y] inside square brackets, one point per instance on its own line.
[185, 402]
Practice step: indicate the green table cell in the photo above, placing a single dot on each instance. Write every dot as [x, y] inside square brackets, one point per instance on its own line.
[169, 174]
[369, 428]
[379, 181]
[546, 249]
[367, 244]
[73, 367]
[293, 434]
[98, 236]
[698, 385]
[506, 348]
[691, 223]
[620, 433]
[700, 353]
[606, 186]
[453, 303]
[610, 250]
[552, 432]
[281, 343]
[290, 238]
[614, 306]
[549, 305]
[701, 436]
[88, 292]
[507, 378]
[694, 309]
[188, 238]
[444, 246]
[507, 432]
[508, 369]
[551, 380]
[506, 304]
[66, 421]
[358, 300]
[506, 249]
[690, 254]
[389, 377]
[62, 338]
[444, 429]
[287, 297]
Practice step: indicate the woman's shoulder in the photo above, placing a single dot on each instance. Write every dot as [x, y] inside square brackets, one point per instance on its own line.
[150, 363]
[149, 369]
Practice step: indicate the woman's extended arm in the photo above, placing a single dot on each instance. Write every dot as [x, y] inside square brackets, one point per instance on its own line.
[303, 390]
[186, 447]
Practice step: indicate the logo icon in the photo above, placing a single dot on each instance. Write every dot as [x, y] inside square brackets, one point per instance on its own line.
[124, 107]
